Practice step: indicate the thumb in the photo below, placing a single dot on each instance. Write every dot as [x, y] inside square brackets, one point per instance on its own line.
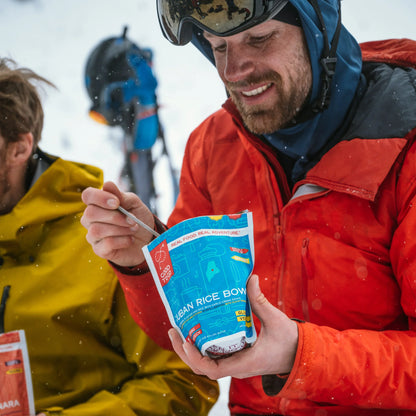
[261, 307]
[127, 200]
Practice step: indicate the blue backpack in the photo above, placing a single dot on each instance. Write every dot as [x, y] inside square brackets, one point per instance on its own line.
[122, 87]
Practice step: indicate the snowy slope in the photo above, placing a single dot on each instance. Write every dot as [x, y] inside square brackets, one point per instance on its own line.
[54, 37]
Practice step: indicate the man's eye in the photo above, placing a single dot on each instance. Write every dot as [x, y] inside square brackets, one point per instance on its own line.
[219, 48]
[259, 39]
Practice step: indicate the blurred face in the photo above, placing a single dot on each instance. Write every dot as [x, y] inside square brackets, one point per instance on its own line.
[267, 73]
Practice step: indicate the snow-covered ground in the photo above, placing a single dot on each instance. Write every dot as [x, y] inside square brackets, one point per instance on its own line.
[55, 37]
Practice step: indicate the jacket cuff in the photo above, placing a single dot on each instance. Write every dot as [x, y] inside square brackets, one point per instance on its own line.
[138, 270]
[293, 375]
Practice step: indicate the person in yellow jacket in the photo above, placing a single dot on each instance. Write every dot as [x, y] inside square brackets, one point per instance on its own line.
[87, 355]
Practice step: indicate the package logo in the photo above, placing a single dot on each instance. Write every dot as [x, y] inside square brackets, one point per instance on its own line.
[161, 259]
[194, 332]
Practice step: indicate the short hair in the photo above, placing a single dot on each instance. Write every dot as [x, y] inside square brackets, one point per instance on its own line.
[20, 105]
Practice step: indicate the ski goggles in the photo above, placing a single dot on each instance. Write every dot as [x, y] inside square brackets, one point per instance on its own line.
[177, 18]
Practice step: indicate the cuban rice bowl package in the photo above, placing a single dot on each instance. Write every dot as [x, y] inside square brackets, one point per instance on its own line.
[201, 267]
[16, 391]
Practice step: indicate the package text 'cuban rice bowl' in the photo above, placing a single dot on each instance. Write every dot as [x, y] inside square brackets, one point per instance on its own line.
[201, 267]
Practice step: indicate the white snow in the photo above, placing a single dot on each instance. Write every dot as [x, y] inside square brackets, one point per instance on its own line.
[54, 38]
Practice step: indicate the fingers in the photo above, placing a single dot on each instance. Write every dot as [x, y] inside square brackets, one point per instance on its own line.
[112, 188]
[109, 238]
[117, 226]
[113, 235]
[107, 198]
[191, 356]
[109, 249]
[273, 352]
[94, 214]
[212, 368]
[101, 214]
[128, 200]
[178, 345]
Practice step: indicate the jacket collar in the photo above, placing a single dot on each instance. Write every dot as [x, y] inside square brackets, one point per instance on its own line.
[355, 166]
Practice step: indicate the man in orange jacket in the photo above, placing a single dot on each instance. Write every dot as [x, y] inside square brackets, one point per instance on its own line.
[317, 140]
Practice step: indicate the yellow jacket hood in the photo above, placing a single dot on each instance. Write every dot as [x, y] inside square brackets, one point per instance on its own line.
[87, 355]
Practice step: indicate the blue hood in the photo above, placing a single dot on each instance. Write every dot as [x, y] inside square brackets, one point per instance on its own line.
[305, 142]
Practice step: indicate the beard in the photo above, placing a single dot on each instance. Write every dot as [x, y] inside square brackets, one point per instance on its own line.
[269, 117]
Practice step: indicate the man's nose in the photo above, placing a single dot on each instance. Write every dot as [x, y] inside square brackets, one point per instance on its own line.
[237, 64]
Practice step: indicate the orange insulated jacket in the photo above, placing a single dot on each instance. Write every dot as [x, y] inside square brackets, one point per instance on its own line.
[336, 251]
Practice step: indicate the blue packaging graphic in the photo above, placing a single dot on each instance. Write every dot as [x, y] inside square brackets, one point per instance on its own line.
[201, 267]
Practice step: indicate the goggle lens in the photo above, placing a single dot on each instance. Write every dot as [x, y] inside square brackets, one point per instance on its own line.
[217, 16]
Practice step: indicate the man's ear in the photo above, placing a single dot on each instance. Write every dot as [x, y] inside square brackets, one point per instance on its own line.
[19, 152]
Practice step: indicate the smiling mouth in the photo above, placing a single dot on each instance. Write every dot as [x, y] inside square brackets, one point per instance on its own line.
[256, 91]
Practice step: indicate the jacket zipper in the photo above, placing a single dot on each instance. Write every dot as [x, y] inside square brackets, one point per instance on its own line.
[306, 275]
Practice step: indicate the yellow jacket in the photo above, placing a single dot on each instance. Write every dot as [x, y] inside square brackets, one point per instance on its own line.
[87, 355]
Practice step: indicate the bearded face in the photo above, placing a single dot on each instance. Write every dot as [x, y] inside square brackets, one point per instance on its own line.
[268, 117]
[267, 72]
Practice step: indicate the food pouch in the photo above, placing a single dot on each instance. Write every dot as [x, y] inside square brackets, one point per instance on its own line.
[201, 267]
[16, 391]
